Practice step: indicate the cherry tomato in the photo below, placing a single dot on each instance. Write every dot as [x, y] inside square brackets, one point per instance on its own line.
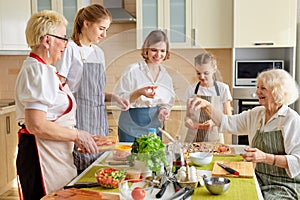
[138, 193]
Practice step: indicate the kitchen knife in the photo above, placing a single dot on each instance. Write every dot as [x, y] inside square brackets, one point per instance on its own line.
[189, 192]
[118, 162]
[230, 170]
[82, 185]
[163, 189]
[177, 194]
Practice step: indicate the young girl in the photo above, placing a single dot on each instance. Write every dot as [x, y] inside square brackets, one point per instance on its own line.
[149, 87]
[212, 90]
[83, 66]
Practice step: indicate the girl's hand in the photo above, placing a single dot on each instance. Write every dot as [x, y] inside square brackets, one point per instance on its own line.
[189, 123]
[204, 126]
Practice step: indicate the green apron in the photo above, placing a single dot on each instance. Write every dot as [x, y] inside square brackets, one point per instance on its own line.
[274, 181]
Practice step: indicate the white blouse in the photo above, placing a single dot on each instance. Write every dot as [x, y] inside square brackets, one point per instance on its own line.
[248, 122]
[137, 75]
[38, 88]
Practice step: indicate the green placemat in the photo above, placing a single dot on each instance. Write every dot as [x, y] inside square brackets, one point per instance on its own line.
[89, 176]
[240, 188]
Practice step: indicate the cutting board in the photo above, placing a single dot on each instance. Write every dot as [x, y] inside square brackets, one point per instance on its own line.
[78, 194]
[244, 168]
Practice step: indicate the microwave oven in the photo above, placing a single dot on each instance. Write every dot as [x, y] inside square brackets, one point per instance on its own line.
[246, 71]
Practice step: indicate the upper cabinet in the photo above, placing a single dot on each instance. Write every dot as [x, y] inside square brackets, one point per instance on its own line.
[171, 16]
[68, 8]
[267, 23]
[14, 15]
[212, 23]
[188, 23]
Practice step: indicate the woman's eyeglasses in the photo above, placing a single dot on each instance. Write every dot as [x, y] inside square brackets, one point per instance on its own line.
[58, 37]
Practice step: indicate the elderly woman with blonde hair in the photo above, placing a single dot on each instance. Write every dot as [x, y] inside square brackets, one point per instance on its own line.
[45, 111]
[273, 131]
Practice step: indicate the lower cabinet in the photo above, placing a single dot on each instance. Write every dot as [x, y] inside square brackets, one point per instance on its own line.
[8, 149]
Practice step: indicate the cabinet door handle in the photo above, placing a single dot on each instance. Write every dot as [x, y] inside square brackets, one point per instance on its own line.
[263, 43]
[194, 36]
[7, 125]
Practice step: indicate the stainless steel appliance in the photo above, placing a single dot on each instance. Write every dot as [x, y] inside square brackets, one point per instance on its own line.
[243, 99]
[246, 71]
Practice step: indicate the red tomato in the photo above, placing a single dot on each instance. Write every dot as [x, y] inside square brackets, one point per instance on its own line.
[138, 193]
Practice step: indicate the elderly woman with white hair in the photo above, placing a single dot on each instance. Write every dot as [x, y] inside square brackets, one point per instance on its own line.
[273, 130]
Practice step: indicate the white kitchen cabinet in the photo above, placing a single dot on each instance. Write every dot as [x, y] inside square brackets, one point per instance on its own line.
[14, 15]
[267, 23]
[212, 23]
[68, 8]
[168, 15]
[8, 149]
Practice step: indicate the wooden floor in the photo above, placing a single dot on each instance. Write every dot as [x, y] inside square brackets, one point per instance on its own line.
[11, 194]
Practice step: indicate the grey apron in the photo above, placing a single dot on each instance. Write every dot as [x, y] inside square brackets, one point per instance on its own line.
[91, 114]
[136, 121]
[274, 181]
[201, 135]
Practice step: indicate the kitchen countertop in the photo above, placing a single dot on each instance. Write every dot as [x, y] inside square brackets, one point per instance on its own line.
[175, 107]
[7, 109]
[240, 187]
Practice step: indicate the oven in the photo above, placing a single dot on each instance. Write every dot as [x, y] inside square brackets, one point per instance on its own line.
[243, 99]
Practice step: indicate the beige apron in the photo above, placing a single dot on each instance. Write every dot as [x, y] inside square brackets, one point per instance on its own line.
[56, 158]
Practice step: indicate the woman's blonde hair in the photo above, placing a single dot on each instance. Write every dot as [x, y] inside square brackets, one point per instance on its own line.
[153, 38]
[208, 58]
[92, 13]
[282, 85]
[43, 23]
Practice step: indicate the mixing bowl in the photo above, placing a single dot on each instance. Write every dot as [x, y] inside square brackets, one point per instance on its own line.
[217, 185]
[201, 158]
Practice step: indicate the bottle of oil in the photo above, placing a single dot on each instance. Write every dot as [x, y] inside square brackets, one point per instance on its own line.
[178, 157]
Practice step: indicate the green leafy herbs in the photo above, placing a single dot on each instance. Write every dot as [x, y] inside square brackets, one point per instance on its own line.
[149, 149]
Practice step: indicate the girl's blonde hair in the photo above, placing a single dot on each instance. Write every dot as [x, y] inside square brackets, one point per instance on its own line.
[92, 13]
[282, 85]
[208, 58]
[43, 23]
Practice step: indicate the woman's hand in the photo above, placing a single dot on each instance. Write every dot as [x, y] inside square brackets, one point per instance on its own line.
[254, 155]
[123, 103]
[148, 91]
[86, 142]
[163, 114]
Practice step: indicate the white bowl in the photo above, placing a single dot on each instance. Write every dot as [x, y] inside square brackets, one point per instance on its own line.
[201, 158]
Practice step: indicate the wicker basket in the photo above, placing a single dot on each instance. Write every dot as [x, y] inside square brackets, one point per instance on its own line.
[188, 183]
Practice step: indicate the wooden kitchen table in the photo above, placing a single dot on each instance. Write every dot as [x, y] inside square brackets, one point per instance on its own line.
[240, 188]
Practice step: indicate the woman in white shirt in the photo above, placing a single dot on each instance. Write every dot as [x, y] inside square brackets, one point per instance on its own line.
[149, 88]
[273, 130]
[45, 110]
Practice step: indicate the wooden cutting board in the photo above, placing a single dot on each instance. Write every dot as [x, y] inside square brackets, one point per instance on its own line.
[78, 194]
[244, 168]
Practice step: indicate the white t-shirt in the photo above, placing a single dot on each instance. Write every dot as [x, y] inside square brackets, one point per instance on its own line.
[137, 75]
[225, 94]
[71, 63]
